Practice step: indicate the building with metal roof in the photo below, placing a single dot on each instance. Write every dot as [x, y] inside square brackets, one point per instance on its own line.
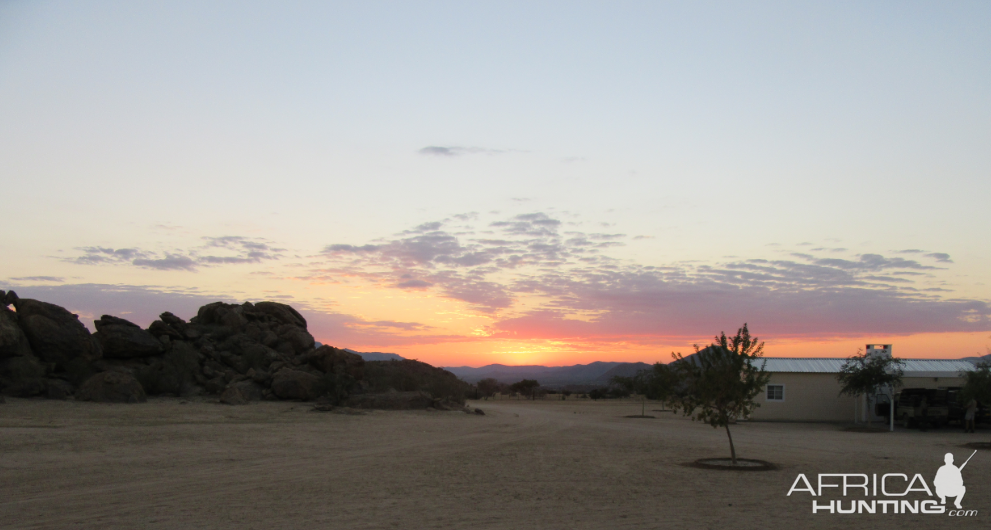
[806, 389]
[832, 365]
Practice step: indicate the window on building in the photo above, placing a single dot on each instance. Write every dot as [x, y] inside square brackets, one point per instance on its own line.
[775, 392]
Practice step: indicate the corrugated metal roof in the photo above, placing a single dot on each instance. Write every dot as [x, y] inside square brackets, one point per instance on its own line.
[832, 365]
[822, 365]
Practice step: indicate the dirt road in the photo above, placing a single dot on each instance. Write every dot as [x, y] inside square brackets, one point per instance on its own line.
[553, 465]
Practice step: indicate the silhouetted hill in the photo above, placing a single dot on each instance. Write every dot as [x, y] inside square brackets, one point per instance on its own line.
[625, 370]
[597, 373]
[976, 360]
[376, 356]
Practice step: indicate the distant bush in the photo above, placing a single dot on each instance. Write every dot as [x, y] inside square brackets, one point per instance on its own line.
[336, 386]
[619, 392]
[608, 393]
[489, 387]
[526, 387]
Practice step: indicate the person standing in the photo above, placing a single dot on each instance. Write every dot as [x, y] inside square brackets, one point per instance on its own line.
[924, 414]
[969, 416]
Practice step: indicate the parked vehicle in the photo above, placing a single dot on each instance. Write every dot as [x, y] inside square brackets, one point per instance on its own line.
[908, 407]
[958, 408]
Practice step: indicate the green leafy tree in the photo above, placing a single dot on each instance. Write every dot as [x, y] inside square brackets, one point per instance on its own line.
[659, 382]
[624, 382]
[526, 387]
[978, 384]
[487, 387]
[597, 393]
[656, 383]
[718, 384]
[865, 375]
[631, 385]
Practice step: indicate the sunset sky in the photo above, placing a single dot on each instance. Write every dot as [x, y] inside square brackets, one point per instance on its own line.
[469, 183]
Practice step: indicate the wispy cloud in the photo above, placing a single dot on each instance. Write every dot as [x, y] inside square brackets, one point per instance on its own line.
[47, 279]
[533, 276]
[941, 257]
[584, 291]
[101, 255]
[225, 250]
[456, 150]
[460, 266]
[168, 263]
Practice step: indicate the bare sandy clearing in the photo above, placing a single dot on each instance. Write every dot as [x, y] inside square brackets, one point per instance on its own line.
[523, 465]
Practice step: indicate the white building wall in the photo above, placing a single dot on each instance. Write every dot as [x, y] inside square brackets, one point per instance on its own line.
[815, 397]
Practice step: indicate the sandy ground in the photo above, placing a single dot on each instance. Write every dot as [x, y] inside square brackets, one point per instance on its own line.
[551, 464]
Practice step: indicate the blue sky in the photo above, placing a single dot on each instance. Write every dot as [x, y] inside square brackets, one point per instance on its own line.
[228, 145]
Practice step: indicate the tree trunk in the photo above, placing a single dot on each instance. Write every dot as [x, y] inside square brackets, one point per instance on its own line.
[732, 450]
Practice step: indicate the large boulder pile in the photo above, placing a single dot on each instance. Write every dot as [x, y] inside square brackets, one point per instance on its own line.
[121, 339]
[112, 387]
[55, 335]
[240, 353]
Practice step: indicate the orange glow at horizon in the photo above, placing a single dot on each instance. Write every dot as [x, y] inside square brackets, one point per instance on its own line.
[480, 351]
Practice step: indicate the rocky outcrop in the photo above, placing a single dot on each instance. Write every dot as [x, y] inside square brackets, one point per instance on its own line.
[7, 298]
[233, 396]
[121, 339]
[112, 387]
[237, 352]
[178, 372]
[409, 375]
[241, 393]
[281, 313]
[251, 390]
[58, 389]
[13, 341]
[391, 401]
[296, 385]
[329, 359]
[22, 376]
[56, 335]
[173, 327]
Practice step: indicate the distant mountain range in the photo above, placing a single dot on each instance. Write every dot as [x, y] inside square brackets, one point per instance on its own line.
[372, 356]
[976, 360]
[597, 373]
[592, 374]
[376, 356]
